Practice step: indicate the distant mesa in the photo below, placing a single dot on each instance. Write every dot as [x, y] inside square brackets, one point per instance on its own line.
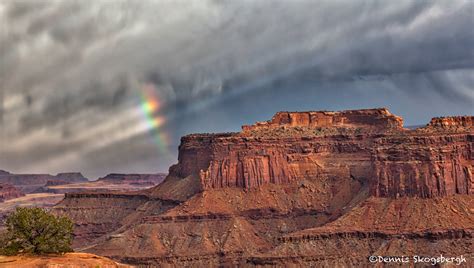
[75, 182]
[152, 179]
[29, 183]
[71, 177]
[8, 191]
[111, 182]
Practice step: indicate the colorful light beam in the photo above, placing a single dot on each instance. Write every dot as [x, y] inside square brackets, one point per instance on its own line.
[150, 106]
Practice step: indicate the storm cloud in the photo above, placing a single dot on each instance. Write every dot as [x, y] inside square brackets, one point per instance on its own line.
[73, 73]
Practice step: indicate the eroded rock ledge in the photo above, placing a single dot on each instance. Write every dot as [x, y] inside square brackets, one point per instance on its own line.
[368, 118]
[452, 121]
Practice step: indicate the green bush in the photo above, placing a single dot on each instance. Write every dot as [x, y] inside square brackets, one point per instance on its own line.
[36, 231]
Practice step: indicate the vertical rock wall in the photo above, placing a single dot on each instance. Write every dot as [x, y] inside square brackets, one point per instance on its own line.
[368, 145]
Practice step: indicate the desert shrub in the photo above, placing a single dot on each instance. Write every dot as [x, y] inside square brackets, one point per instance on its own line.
[36, 231]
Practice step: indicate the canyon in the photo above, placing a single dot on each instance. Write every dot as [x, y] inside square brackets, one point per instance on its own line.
[314, 188]
[44, 190]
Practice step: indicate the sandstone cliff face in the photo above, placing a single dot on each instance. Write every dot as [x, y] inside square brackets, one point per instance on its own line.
[436, 164]
[248, 162]
[370, 146]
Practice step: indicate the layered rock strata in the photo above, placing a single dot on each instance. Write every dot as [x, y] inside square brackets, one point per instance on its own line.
[392, 160]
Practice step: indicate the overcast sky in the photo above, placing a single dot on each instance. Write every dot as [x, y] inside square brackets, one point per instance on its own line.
[74, 74]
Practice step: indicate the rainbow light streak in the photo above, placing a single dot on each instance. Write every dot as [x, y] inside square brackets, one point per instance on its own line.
[150, 105]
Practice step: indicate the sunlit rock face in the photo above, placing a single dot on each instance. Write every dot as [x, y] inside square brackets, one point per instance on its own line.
[369, 119]
[369, 146]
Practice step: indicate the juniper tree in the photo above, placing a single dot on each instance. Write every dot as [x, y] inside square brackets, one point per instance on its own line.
[36, 231]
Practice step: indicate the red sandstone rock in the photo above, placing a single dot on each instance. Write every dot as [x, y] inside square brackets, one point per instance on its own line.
[399, 162]
[367, 119]
[452, 121]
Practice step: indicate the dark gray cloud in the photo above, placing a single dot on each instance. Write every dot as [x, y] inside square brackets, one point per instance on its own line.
[73, 73]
